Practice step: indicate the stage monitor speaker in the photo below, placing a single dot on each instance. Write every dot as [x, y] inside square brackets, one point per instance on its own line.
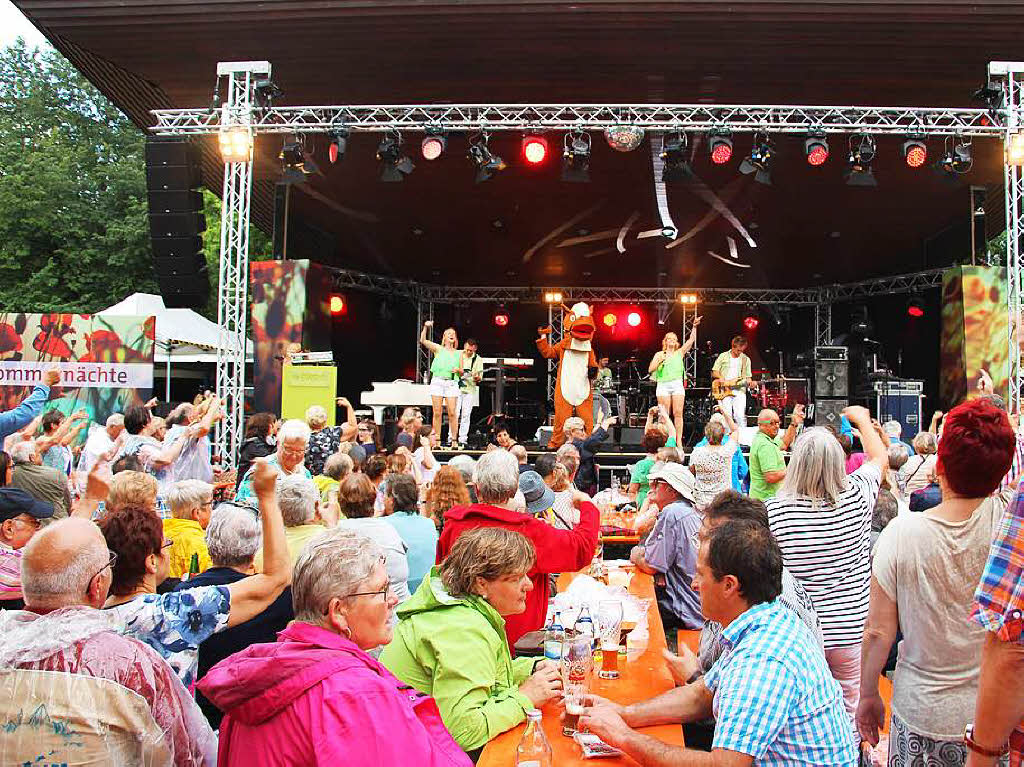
[827, 412]
[629, 437]
[831, 378]
[545, 435]
[175, 221]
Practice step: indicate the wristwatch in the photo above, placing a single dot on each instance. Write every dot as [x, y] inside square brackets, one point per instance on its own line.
[979, 749]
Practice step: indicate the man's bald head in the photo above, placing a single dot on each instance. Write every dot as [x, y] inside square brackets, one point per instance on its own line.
[60, 562]
[768, 422]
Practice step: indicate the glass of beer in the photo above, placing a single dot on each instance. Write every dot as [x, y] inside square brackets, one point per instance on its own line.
[577, 657]
[574, 695]
[609, 618]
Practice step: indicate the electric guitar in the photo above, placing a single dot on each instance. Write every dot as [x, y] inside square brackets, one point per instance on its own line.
[722, 388]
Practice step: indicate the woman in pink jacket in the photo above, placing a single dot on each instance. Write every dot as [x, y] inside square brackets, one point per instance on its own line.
[315, 697]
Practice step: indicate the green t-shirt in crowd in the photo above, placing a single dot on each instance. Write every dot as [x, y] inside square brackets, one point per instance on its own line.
[641, 469]
[445, 362]
[671, 369]
[765, 455]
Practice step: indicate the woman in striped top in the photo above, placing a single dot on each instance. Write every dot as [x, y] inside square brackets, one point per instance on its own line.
[821, 518]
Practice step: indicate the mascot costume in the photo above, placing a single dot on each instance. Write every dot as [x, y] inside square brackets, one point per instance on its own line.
[575, 355]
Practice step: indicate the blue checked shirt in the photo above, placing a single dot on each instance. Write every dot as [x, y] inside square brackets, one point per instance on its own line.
[774, 697]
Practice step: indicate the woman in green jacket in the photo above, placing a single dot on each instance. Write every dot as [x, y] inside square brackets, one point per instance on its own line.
[450, 640]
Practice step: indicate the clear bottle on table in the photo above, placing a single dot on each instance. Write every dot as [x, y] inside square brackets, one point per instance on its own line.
[534, 749]
[553, 636]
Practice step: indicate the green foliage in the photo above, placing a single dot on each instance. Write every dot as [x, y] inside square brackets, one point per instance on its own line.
[74, 234]
[260, 247]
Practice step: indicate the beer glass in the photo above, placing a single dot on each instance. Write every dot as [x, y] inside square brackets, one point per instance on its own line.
[577, 657]
[609, 620]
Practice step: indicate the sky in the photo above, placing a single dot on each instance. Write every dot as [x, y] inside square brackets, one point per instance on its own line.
[13, 24]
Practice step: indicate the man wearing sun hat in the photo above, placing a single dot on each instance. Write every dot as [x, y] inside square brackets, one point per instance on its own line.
[670, 552]
[20, 516]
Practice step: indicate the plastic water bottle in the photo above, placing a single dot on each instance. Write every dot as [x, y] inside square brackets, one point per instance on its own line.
[534, 749]
[553, 636]
[584, 623]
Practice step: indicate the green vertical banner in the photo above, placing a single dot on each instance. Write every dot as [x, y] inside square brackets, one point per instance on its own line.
[307, 385]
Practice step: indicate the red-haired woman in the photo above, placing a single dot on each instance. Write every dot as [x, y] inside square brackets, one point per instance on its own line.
[926, 567]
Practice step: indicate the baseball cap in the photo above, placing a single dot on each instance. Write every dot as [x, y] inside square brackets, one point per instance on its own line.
[677, 475]
[539, 497]
[15, 501]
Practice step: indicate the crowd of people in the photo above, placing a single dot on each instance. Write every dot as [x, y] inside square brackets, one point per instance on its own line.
[351, 599]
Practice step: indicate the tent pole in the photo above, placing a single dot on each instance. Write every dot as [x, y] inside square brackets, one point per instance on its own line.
[167, 381]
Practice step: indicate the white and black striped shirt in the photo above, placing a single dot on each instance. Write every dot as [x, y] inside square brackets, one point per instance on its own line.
[828, 550]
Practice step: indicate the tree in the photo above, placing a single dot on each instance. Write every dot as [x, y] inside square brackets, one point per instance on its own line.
[74, 233]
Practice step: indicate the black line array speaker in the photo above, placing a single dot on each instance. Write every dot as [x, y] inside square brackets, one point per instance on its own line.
[176, 221]
[828, 412]
[831, 378]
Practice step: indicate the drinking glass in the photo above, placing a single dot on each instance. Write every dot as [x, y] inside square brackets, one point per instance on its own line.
[577, 657]
[609, 621]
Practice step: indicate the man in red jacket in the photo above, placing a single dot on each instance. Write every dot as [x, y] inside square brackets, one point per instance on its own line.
[558, 551]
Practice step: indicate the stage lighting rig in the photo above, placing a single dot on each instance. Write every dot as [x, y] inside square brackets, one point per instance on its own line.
[576, 157]
[816, 149]
[759, 160]
[915, 308]
[552, 297]
[673, 153]
[394, 166]
[296, 163]
[535, 148]
[863, 150]
[956, 158]
[991, 94]
[487, 163]
[264, 92]
[688, 298]
[235, 144]
[624, 138]
[339, 144]
[1015, 149]
[915, 152]
[720, 146]
[433, 144]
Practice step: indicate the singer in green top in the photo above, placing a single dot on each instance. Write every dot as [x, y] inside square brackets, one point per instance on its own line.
[668, 370]
[444, 378]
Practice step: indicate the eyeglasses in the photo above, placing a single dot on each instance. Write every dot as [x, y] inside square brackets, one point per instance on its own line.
[111, 561]
[383, 592]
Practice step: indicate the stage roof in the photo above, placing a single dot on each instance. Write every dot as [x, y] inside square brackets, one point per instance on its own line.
[439, 226]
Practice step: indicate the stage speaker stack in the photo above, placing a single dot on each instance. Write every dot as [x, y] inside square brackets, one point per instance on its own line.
[831, 384]
[176, 221]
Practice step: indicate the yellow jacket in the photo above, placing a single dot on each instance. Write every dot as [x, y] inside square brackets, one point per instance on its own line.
[188, 538]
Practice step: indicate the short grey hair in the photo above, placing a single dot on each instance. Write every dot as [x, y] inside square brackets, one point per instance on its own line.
[925, 443]
[297, 496]
[899, 454]
[115, 419]
[334, 563]
[337, 466]
[568, 449]
[817, 468]
[234, 535]
[715, 432]
[496, 476]
[186, 494]
[893, 428]
[293, 429]
[519, 452]
[316, 416]
[465, 465]
[60, 587]
[23, 451]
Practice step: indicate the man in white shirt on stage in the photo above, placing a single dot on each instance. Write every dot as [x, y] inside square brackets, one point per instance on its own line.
[732, 369]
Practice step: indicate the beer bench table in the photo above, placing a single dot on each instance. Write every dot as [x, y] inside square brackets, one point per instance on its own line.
[639, 679]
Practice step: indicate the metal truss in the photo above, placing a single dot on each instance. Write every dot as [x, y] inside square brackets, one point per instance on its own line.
[690, 358]
[347, 279]
[654, 117]
[555, 322]
[424, 313]
[232, 303]
[904, 283]
[823, 324]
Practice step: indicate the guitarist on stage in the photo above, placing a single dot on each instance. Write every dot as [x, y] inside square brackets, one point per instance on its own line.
[730, 379]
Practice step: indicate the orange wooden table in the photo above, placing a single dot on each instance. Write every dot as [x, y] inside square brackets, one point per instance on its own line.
[640, 679]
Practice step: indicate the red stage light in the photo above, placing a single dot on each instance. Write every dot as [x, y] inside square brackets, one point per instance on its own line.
[915, 311]
[816, 149]
[609, 320]
[535, 149]
[634, 319]
[915, 153]
[721, 153]
[432, 147]
[337, 305]
[501, 319]
[750, 322]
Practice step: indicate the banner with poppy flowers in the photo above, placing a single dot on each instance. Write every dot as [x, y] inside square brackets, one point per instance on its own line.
[106, 362]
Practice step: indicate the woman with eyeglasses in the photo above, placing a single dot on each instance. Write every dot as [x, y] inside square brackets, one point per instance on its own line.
[174, 624]
[368, 435]
[450, 642]
[316, 696]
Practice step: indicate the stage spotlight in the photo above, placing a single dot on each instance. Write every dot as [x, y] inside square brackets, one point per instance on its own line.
[816, 149]
[862, 153]
[624, 138]
[265, 91]
[915, 308]
[750, 322]
[295, 163]
[759, 160]
[501, 319]
[634, 319]
[957, 157]
[487, 163]
[673, 152]
[552, 297]
[609, 319]
[1015, 149]
[535, 149]
[688, 298]
[433, 144]
[235, 144]
[915, 152]
[720, 147]
[337, 305]
[394, 166]
[576, 158]
[338, 145]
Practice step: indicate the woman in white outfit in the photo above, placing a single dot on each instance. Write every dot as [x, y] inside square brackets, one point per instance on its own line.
[444, 378]
[668, 370]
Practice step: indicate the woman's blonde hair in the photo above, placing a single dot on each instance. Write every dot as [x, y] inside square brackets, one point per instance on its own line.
[316, 417]
[455, 335]
[925, 443]
[485, 552]
[664, 340]
[131, 488]
[559, 477]
[448, 489]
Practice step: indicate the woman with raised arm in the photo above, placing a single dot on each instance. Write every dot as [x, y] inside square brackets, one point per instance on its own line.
[444, 378]
[668, 370]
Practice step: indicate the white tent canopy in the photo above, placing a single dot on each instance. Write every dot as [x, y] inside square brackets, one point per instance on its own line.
[182, 335]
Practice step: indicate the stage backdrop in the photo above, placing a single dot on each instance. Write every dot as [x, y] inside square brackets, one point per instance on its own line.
[106, 362]
[974, 331]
